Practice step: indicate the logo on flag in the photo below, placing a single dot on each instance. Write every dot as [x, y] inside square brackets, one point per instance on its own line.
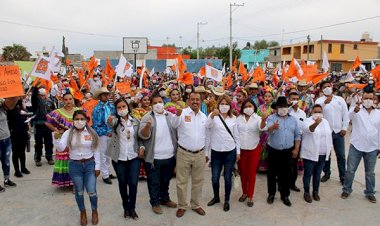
[42, 66]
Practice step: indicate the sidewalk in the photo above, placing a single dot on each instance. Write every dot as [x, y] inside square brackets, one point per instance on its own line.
[35, 202]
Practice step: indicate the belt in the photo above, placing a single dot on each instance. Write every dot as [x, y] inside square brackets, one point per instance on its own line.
[187, 150]
[84, 160]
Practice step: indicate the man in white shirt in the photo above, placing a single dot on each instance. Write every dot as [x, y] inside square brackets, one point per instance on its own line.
[364, 143]
[191, 127]
[300, 115]
[336, 113]
[160, 142]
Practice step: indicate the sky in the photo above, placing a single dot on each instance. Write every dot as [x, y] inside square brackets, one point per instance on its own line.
[90, 25]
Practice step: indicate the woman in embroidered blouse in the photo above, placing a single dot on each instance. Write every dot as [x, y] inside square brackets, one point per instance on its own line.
[175, 102]
[249, 126]
[225, 148]
[126, 154]
[84, 163]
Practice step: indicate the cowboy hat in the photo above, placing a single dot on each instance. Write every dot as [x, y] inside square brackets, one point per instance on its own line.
[201, 89]
[218, 91]
[281, 102]
[253, 85]
[100, 92]
[302, 82]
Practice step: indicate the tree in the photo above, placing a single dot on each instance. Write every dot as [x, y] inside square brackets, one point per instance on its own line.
[224, 53]
[15, 52]
[263, 44]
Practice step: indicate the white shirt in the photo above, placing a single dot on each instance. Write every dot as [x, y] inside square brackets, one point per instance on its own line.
[127, 151]
[220, 139]
[249, 131]
[163, 145]
[300, 115]
[336, 113]
[191, 129]
[365, 130]
[312, 141]
[80, 149]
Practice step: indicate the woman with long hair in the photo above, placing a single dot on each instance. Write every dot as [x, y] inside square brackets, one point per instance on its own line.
[84, 163]
[126, 152]
[175, 102]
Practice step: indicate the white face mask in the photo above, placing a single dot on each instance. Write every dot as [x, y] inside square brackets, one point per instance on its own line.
[188, 90]
[123, 112]
[327, 91]
[283, 111]
[158, 108]
[79, 124]
[120, 80]
[42, 91]
[294, 102]
[368, 103]
[248, 111]
[224, 108]
[316, 116]
[96, 79]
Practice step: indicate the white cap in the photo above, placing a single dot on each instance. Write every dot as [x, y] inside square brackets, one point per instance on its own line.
[42, 91]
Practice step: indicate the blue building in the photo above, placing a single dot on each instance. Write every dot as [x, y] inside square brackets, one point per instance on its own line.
[250, 57]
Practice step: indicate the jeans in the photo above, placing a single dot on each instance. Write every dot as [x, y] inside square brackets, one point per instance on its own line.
[19, 143]
[128, 176]
[220, 160]
[5, 153]
[354, 157]
[83, 175]
[312, 168]
[279, 170]
[43, 137]
[339, 147]
[159, 174]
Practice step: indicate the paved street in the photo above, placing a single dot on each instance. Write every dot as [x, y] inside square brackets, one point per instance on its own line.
[35, 202]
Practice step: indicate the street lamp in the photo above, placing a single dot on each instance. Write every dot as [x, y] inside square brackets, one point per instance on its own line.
[198, 25]
[231, 5]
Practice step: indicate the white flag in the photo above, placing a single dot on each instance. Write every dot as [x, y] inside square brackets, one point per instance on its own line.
[41, 68]
[373, 65]
[55, 62]
[151, 73]
[298, 66]
[349, 77]
[121, 66]
[362, 69]
[141, 77]
[214, 73]
[224, 69]
[325, 63]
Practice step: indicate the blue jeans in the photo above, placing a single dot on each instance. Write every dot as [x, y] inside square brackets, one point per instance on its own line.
[220, 160]
[314, 169]
[5, 153]
[339, 148]
[354, 157]
[128, 176]
[159, 174]
[83, 175]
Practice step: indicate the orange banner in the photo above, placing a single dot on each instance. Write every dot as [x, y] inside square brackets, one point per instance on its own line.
[10, 82]
[357, 86]
[123, 87]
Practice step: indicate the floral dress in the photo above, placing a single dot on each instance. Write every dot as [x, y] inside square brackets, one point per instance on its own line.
[263, 165]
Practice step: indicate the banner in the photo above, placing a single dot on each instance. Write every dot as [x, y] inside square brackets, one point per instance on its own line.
[214, 73]
[10, 82]
[123, 87]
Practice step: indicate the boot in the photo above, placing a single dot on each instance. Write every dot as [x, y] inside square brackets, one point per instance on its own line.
[83, 218]
[95, 218]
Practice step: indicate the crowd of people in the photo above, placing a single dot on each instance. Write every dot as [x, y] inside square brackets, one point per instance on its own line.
[170, 129]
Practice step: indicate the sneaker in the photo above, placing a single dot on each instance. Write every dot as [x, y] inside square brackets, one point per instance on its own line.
[18, 174]
[38, 163]
[2, 189]
[25, 171]
[51, 162]
[344, 195]
[371, 198]
[9, 183]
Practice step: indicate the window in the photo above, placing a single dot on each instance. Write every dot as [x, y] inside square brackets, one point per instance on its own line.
[341, 48]
[336, 67]
[275, 53]
[311, 48]
[329, 50]
[304, 49]
[286, 51]
[355, 46]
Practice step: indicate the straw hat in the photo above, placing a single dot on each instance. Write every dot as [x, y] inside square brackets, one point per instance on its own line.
[100, 92]
[201, 89]
[218, 91]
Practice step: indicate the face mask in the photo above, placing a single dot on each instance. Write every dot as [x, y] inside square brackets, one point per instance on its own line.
[120, 80]
[224, 108]
[88, 96]
[123, 112]
[248, 111]
[327, 91]
[316, 116]
[96, 79]
[65, 83]
[79, 124]
[370, 82]
[133, 88]
[283, 111]
[294, 102]
[42, 91]
[158, 108]
[188, 90]
[357, 79]
[367, 103]
[239, 77]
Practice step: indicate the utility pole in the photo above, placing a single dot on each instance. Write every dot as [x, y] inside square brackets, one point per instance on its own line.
[232, 5]
[198, 25]
[308, 47]
[180, 41]
[321, 52]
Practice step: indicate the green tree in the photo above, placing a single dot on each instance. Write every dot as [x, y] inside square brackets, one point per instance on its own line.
[224, 53]
[15, 52]
[263, 44]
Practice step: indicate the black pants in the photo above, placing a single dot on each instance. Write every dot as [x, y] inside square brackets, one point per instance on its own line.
[43, 137]
[159, 174]
[294, 172]
[19, 141]
[279, 170]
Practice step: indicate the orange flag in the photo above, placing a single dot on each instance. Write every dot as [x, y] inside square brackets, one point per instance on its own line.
[146, 82]
[181, 65]
[229, 80]
[81, 78]
[77, 93]
[54, 78]
[202, 71]
[376, 71]
[43, 82]
[89, 107]
[109, 70]
[285, 78]
[104, 79]
[258, 75]
[92, 64]
[309, 69]
[315, 78]
[174, 67]
[234, 65]
[357, 86]
[186, 78]
[68, 62]
[276, 80]
[243, 72]
[356, 63]
[293, 70]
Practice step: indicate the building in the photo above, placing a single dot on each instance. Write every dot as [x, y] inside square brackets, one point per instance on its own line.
[250, 57]
[76, 59]
[275, 55]
[167, 52]
[340, 53]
